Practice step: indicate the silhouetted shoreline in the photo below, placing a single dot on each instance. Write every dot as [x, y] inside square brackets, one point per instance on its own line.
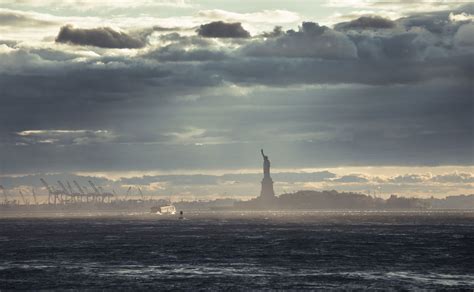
[299, 201]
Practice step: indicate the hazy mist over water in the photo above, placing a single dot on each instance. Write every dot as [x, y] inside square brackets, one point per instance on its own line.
[240, 250]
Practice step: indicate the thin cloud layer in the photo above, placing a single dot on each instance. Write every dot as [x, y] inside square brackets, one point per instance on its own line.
[311, 40]
[21, 19]
[93, 4]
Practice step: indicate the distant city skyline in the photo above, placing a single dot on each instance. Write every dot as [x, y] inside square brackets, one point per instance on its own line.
[376, 95]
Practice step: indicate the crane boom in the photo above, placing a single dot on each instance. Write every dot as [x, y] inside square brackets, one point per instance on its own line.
[128, 193]
[78, 187]
[94, 187]
[4, 194]
[34, 195]
[69, 187]
[22, 197]
[63, 187]
[50, 190]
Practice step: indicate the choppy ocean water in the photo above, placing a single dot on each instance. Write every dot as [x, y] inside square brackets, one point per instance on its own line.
[259, 250]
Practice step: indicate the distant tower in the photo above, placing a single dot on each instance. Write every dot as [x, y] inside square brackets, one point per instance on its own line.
[267, 192]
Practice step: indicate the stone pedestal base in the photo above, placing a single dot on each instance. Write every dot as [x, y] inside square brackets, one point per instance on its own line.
[267, 189]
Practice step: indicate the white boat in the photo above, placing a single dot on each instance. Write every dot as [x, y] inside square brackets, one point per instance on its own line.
[164, 210]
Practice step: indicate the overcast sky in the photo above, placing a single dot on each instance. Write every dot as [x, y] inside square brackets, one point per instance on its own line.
[358, 94]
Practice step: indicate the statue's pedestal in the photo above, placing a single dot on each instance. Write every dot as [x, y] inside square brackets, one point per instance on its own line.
[267, 192]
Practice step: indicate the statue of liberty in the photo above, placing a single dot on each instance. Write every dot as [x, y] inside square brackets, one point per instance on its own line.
[267, 192]
[266, 165]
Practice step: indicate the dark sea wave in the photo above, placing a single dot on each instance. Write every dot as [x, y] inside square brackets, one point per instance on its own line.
[240, 251]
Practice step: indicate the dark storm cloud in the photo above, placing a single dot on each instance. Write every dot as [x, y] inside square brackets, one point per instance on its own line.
[400, 46]
[435, 24]
[311, 40]
[417, 109]
[21, 20]
[276, 32]
[179, 50]
[439, 23]
[104, 37]
[335, 57]
[220, 29]
[366, 126]
[281, 72]
[366, 22]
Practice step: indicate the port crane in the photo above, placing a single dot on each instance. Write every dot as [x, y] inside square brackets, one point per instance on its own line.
[34, 195]
[105, 195]
[83, 194]
[23, 198]
[75, 196]
[5, 194]
[52, 193]
[99, 194]
[64, 192]
[141, 194]
[96, 191]
[94, 187]
[128, 193]
[78, 187]
[69, 187]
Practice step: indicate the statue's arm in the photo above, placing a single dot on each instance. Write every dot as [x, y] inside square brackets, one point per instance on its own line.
[262, 152]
